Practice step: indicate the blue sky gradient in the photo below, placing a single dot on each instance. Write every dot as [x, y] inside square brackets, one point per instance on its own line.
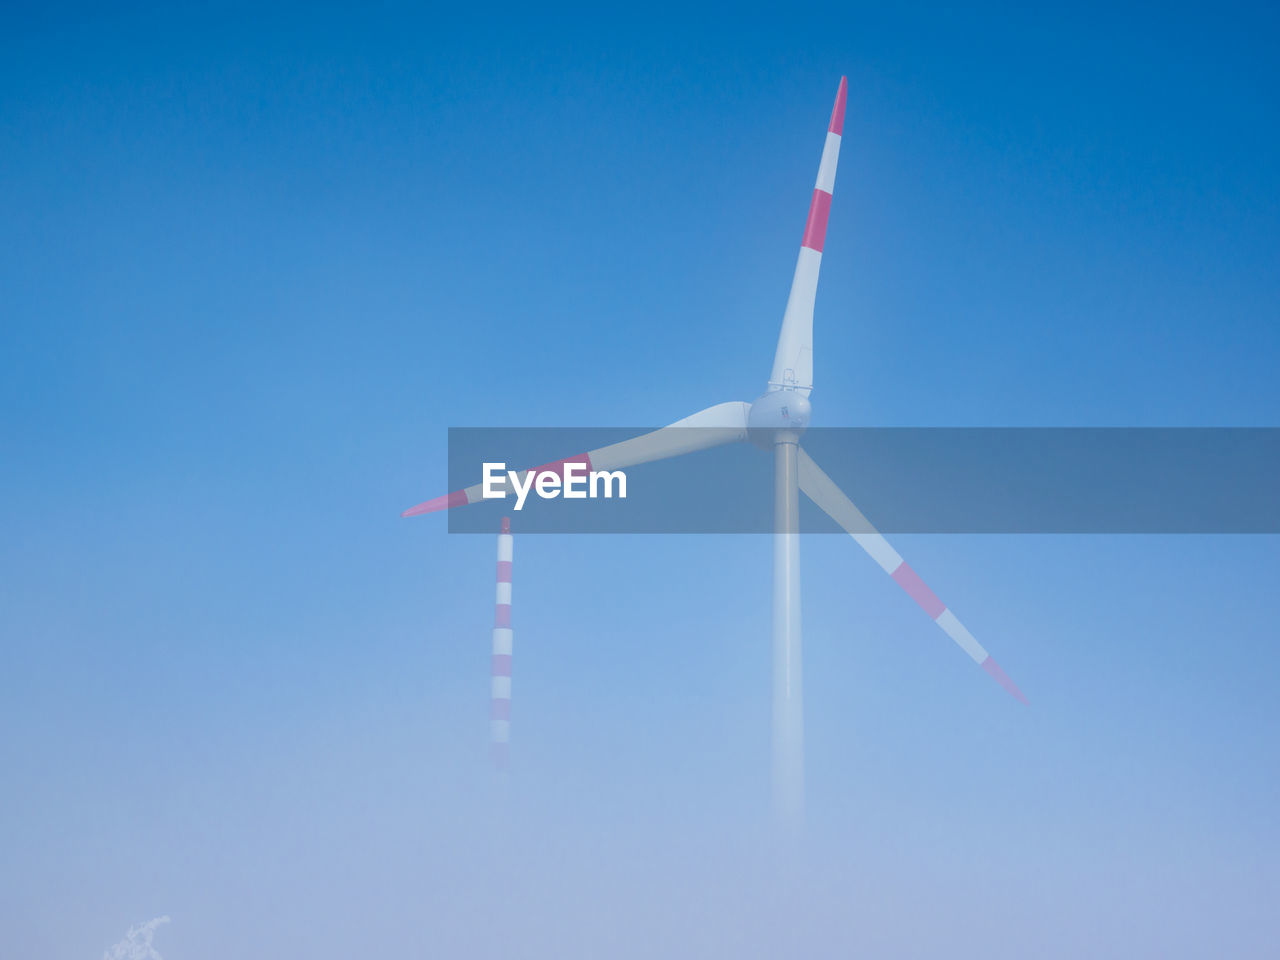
[255, 263]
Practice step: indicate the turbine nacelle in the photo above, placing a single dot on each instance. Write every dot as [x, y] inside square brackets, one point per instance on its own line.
[777, 410]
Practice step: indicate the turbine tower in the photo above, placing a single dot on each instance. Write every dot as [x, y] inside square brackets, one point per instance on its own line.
[777, 419]
[500, 659]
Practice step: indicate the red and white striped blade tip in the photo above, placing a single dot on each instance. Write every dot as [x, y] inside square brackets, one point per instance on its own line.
[456, 499]
[837, 112]
[1002, 678]
[459, 498]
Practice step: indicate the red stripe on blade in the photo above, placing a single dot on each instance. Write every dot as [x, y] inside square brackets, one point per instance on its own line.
[499, 709]
[1002, 678]
[456, 499]
[815, 228]
[837, 112]
[500, 666]
[504, 571]
[502, 615]
[918, 590]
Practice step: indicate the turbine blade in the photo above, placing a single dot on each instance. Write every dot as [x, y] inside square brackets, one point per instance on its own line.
[793, 361]
[822, 490]
[713, 427]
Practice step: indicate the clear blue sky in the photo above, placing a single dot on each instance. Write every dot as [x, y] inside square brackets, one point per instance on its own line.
[252, 266]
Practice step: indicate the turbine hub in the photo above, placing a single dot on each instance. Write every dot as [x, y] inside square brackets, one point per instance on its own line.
[777, 410]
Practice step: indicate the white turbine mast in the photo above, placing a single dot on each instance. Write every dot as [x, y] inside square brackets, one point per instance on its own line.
[503, 649]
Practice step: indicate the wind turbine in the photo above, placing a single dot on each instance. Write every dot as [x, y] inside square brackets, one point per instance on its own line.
[778, 418]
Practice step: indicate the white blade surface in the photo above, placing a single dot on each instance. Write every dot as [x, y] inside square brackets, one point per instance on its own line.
[713, 427]
[793, 361]
[822, 490]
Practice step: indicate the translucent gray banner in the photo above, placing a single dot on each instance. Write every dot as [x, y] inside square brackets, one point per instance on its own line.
[904, 480]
